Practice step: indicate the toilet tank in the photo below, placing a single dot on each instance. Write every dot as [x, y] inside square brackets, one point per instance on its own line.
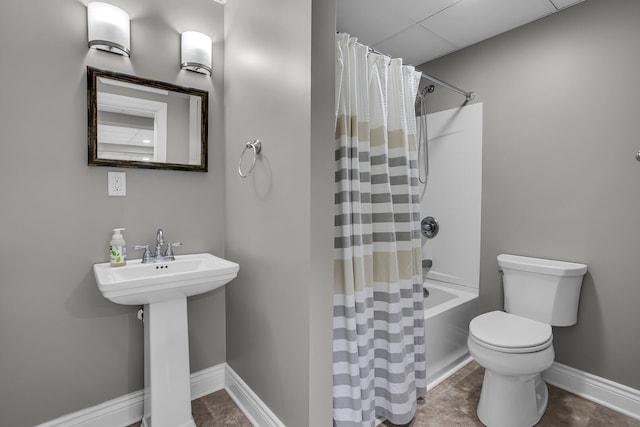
[542, 289]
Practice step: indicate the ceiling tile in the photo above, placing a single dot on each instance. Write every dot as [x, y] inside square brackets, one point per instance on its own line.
[371, 21]
[561, 4]
[419, 10]
[470, 21]
[415, 46]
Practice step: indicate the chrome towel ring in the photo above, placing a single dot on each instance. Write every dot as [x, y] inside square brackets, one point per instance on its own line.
[256, 146]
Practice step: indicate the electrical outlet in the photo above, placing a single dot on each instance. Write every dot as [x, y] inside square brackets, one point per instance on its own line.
[117, 184]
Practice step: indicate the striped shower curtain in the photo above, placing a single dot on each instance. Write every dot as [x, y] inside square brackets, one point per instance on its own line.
[378, 319]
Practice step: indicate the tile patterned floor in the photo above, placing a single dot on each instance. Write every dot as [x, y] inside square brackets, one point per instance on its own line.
[451, 403]
[216, 410]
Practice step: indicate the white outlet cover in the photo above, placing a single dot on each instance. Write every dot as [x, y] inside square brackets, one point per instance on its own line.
[117, 183]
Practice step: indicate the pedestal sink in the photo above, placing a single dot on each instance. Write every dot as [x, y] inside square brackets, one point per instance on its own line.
[163, 289]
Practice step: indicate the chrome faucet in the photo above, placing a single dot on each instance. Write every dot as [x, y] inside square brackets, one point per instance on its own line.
[159, 241]
[149, 257]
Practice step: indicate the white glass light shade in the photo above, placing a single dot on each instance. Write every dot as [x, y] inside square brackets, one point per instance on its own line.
[109, 28]
[196, 52]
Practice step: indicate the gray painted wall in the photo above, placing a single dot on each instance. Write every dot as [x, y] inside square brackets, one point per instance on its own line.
[561, 126]
[63, 347]
[279, 226]
[323, 27]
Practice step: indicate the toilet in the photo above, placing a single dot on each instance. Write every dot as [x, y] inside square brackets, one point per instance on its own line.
[516, 345]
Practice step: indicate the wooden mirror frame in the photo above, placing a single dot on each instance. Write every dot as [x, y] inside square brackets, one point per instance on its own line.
[92, 111]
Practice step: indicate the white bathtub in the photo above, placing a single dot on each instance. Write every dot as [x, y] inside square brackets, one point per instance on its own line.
[448, 311]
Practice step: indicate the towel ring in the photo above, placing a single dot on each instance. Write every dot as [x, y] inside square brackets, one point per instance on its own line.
[256, 146]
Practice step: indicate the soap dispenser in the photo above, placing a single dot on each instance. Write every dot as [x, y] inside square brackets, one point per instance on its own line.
[117, 248]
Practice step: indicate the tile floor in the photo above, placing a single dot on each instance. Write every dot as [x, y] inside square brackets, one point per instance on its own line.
[216, 410]
[451, 403]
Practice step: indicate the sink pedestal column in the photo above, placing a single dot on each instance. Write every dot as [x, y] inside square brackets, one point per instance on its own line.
[167, 385]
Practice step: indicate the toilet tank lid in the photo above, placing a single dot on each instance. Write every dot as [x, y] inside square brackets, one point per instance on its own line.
[540, 265]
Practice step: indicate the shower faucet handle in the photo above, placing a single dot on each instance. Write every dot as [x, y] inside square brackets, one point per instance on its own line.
[429, 227]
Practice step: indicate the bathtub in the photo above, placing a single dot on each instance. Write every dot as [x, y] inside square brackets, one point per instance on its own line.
[448, 310]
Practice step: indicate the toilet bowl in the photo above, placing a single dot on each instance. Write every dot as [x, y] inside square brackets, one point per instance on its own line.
[514, 351]
[516, 345]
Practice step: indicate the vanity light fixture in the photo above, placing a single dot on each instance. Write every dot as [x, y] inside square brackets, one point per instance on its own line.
[196, 52]
[108, 28]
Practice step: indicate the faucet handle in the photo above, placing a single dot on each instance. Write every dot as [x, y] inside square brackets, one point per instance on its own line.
[148, 256]
[170, 248]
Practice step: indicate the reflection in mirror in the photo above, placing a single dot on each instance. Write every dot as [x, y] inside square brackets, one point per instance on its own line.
[135, 122]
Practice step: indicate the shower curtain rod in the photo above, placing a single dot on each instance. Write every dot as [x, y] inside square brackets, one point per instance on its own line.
[468, 95]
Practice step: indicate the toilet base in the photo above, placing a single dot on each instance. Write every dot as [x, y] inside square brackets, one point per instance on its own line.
[513, 392]
[512, 401]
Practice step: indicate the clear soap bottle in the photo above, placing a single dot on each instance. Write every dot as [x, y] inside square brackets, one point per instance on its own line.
[117, 248]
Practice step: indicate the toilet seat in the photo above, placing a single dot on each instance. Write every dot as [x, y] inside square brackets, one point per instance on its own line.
[508, 333]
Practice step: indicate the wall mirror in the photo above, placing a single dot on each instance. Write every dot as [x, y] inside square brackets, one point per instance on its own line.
[140, 123]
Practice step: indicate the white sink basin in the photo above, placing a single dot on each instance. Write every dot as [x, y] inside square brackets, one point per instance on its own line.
[137, 283]
[163, 289]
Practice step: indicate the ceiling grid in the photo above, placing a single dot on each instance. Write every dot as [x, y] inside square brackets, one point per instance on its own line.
[419, 31]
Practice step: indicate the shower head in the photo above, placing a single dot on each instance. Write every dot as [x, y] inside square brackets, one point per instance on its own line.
[427, 89]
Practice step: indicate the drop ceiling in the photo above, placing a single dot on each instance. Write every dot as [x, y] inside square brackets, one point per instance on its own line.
[422, 30]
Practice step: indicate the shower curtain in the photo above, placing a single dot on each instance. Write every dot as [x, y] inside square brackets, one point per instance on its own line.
[378, 327]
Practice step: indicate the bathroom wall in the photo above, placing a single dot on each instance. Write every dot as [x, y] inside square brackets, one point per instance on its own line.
[561, 126]
[279, 88]
[322, 190]
[63, 347]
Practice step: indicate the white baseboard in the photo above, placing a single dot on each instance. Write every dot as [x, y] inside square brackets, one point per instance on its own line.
[618, 397]
[249, 403]
[128, 409]
[208, 381]
[121, 411]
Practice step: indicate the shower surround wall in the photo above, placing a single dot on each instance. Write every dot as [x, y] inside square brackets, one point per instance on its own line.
[453, 195]
[64, 347]
[560, 179]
